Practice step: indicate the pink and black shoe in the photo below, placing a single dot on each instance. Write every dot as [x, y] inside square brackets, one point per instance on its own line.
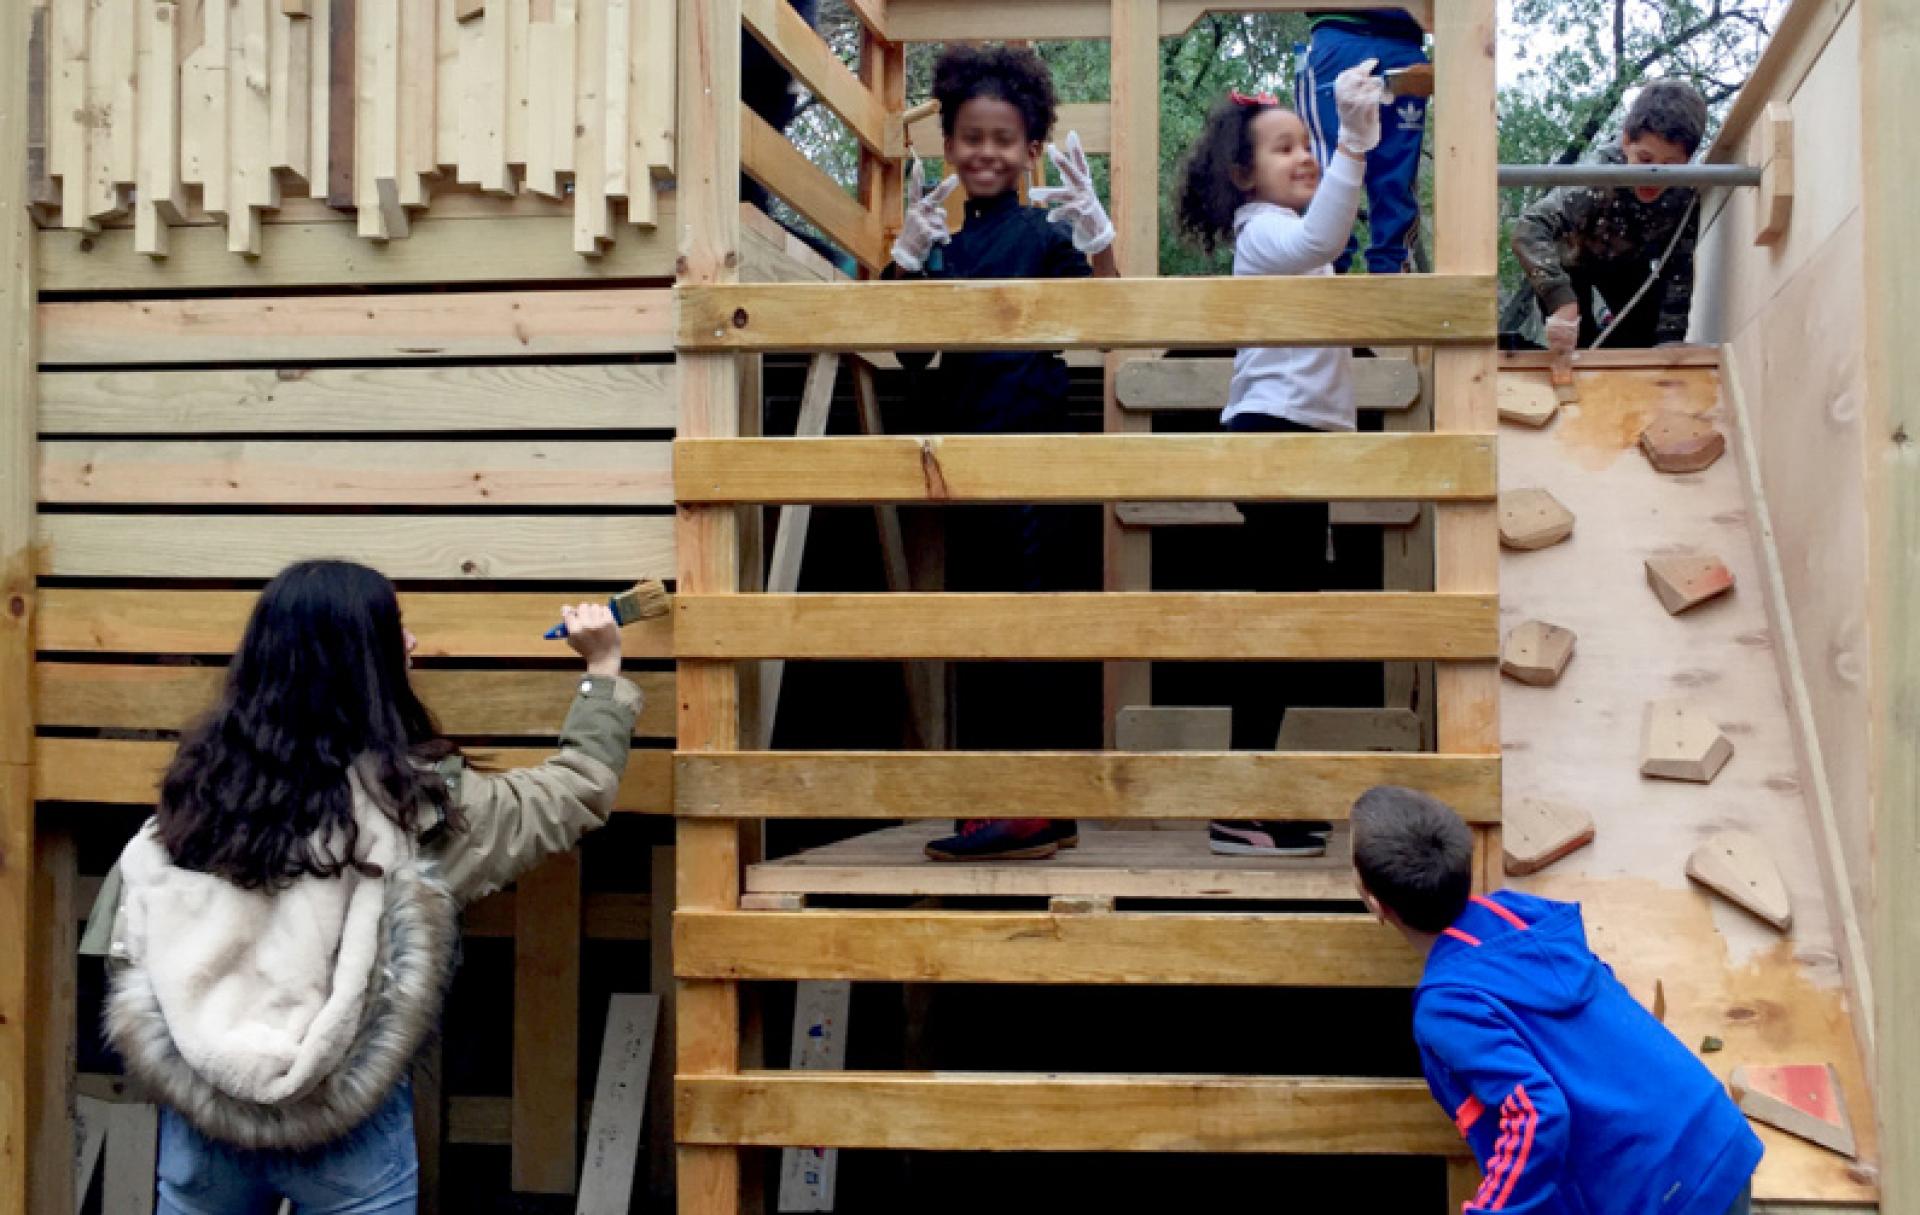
[1250, 838]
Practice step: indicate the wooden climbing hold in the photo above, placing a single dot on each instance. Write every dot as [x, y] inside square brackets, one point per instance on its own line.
[1532, 519]
[1535, 834]
[1527, 402]
[1739, 867]
[1687, 580]
[1536, 653]
[1800, 1098]
[1677, 442]
[1679, 742]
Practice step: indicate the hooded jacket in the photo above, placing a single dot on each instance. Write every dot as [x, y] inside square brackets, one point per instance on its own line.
[1574, 1099]
[281, 1018]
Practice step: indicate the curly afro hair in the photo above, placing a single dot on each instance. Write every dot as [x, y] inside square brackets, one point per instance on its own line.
[1208, 197]
[1011, 74]
[1671, 109]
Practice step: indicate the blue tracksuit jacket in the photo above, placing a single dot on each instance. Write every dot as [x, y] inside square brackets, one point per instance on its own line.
[1575, 1100]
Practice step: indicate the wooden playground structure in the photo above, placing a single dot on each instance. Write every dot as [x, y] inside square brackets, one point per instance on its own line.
[464, 289]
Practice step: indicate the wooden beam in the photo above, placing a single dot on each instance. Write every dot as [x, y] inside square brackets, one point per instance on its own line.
[768, 158]
[114, 772]
[1088, 626]
[1092, 120]
[1086, 468]
[1608, 359]
[1046, 314]
[1201, 385]
[452, 625]
[1124, 949]
[1100, 784]
[619, 1105]
[788, 38]
[54, 935]
[413, 328]
[546, 1026]
[1078, 1112]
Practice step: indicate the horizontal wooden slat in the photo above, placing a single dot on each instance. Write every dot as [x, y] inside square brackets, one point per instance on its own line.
[318, 473]
[1091, 120]
[436, 250]
[951, 20]
[485, 703]
[770, 159]
[610, 396]
[451, 625]
[115, 772]
[988, 1111]
[1170, 626]
[1041, 314]
[399, 546]
[603, 917]
[1036, 947]
[1071, 784]
[1086, 468]
[321, 328]
[1615, 358]
[788, 37]
[1201, 385]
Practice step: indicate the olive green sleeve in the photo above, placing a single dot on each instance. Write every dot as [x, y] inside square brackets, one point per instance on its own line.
[1542, 234]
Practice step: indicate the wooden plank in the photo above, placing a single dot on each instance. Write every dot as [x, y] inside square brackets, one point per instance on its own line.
[660, 981]
[251, 184]
[161, 200]
[619, 1104]
[360, 400]
[809, 1175]
[768, 158]
[592, 219]
[1201, 385]
[1121, 949]
[42, 194]
[449, 625]
[343, 62]
[546, 1026]
[1100, 785]
[320, 328]
[111, 117]
[1610, 359]
[1080, 1112]
[655, 61]
[603, 917]
[318, 105]
[482, 116]
[113, 772]
[1086, 468]
[133, 1148]
[1088, 626]
[543, 53]
[470, 703]
[789, 39]
[1092, 120]
[790, 539]
[401, 546]
[1044, 314]
[290, 55]
[617, 84]
[52, 1036]
[68, 137]
[419, 102]
[243, 472]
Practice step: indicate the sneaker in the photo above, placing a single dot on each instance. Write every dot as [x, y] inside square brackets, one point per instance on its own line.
[997, 839]
[1064, 832]
[1249, 838]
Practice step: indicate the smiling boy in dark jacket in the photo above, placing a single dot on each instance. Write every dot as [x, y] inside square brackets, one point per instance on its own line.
[1575, 1099]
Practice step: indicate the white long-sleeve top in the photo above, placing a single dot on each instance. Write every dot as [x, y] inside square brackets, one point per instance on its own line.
[1311, 385]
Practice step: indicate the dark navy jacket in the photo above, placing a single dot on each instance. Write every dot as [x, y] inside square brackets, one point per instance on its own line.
[1014, 391]
[1373, 22]
[1575, 1100]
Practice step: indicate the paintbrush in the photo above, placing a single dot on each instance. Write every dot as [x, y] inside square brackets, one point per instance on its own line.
[646, 600]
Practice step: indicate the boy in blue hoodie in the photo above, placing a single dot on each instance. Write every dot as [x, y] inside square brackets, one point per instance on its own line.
[1574, 1099]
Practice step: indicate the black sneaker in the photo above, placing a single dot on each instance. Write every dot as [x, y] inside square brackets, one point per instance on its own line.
[997, 839]
[1065, 832]
[1249, 838]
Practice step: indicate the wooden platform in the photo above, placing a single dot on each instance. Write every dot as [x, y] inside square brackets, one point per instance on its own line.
[1171, 864]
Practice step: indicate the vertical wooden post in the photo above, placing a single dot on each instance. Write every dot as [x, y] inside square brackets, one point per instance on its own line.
[51, 1038]
[1466, 229]
[16, 605]
[546, 1026]
[707, 537]
[1890, 80]
[1134, 182]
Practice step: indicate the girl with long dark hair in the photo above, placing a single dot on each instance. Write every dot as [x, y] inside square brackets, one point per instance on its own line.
[282, 932]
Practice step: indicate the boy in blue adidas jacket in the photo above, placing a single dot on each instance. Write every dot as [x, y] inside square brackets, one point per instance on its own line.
[1574, 1099]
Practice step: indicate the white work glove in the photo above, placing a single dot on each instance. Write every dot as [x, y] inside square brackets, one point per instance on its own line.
[1563, 329]
[1357, 96]
[1074, 202]
[926, 221]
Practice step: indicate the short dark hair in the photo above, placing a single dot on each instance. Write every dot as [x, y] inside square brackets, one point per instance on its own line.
[1414, 854]
[1012, 74]
[1672, 109]
[1208, 197]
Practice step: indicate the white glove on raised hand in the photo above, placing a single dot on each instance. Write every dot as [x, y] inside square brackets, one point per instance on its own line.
[1074, 202]
[1357, 96]
[926, 221]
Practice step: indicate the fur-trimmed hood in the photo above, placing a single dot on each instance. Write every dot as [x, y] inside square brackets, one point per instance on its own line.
[280, 1018]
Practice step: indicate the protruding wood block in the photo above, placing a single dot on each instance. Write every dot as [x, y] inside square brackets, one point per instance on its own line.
[1800, 1098]
[1677, 442]
[1679, 742]
[1687, 580]
[1533, 518]
[1739, 867]
[1317, 729]
[1174, 728]
[1539, 833]
[1527, 402]
[1178, 514]
[1080, 904]
[1537, 652]
[1373, 514]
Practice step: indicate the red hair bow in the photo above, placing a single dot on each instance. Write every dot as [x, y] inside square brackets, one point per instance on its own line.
[1240, 98]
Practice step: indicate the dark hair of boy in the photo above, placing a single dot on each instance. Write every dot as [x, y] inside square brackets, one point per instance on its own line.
[1208, 198]
[1671, 109]
[1012, 74]
[1413, 854]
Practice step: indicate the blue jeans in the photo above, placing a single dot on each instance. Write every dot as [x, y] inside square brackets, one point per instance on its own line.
[372, 1171]
[1393, 168]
